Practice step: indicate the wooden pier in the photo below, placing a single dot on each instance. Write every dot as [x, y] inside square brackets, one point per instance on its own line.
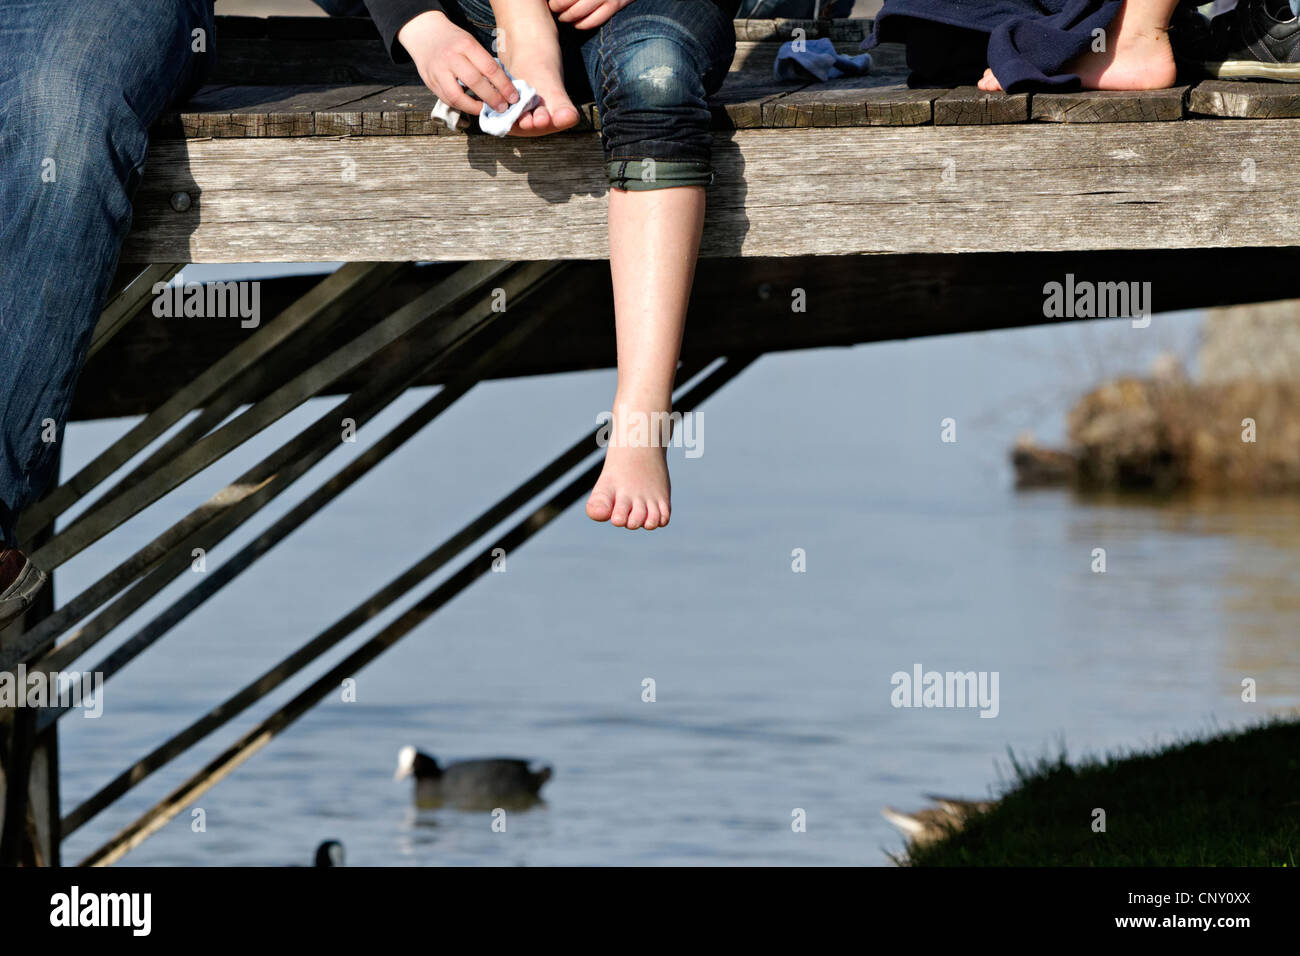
[897, 212]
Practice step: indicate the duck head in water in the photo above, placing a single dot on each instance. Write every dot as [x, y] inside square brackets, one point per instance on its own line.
[415, 763]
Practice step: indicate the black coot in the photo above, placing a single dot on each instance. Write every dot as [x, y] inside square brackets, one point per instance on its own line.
[472, 784]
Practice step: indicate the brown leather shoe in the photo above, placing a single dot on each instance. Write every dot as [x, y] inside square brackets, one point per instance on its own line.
[20, 582]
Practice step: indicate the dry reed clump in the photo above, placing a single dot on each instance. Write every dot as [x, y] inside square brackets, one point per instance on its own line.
[1166, 435]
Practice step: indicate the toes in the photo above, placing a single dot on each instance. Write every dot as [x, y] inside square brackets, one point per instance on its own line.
[622, 508]
[565, 115]
[637, 517]
[600, 505]
[665, 512]
[651, 515]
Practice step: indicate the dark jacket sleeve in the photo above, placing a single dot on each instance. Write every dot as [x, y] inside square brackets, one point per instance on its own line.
[391, 15]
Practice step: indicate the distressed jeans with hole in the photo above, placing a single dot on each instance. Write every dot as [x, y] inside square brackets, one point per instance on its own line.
[650, 70]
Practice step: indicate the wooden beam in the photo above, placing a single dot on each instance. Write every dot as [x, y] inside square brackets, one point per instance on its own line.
[851, 300]
[1110, 106]
[971, 106]
[168, 555]
[319, 308]
[793, 192]
[1245, 100]
[30, 825]
[876, 100]
[126, 302]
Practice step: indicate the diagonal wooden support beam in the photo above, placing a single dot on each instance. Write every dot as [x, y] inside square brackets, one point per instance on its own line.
[257, 379]
[169, 555]
[326, 304]
[444, 299]
[226, 762]
[219, 577]
[313, 649]
[126, 302]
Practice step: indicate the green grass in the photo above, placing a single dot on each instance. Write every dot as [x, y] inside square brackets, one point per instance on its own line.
[1230, 800]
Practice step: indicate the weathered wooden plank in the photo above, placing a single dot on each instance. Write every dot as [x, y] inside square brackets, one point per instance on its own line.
[1110, 106]
[249, 111]
[756, 59]
[739, 104]
[298, 98]
[787, 192]
[126, 302]
[971, 106]
[883, 100]
[369, 110]
[397, 111]
[736, 303]
[1245, 100]
[847, 30]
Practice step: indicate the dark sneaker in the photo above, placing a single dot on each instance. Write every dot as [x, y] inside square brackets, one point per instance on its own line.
[20, 582]
[1256, 40]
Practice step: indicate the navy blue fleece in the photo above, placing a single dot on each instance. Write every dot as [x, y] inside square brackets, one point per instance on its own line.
[1029, 41]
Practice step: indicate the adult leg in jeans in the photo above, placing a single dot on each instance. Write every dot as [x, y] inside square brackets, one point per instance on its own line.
[81, 82]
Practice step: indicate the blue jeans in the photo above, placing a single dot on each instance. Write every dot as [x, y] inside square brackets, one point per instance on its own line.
[81, 82]
[650, 70]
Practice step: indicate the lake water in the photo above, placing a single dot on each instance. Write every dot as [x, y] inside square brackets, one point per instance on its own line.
[773, 687]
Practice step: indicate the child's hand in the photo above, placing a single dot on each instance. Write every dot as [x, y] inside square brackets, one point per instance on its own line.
[586, 14]
[445, 54]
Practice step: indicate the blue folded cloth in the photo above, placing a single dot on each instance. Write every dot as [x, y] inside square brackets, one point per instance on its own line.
[817, 60]
[1029, 42]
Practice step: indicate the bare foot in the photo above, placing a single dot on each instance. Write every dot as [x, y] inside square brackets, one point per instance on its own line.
[538, 61]
[633, 490]
[1138, 55]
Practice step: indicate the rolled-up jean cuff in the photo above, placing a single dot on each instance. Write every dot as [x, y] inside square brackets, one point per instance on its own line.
[639, 174]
